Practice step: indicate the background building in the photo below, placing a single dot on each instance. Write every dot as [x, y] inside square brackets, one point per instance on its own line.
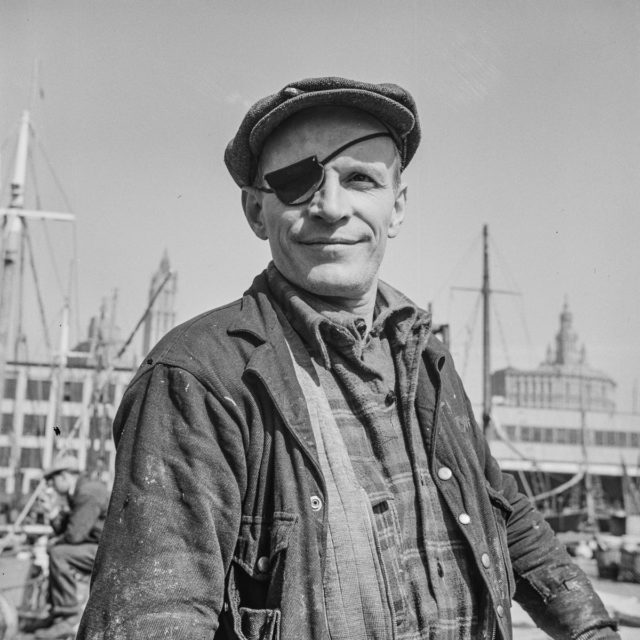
[69, 403]
[555, 422]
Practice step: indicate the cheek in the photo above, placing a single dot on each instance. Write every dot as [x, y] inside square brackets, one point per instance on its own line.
[278, 225]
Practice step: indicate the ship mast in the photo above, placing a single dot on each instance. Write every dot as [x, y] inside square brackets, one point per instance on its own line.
[12, 234]
[11, 242]
[486, 291]
[486, 333]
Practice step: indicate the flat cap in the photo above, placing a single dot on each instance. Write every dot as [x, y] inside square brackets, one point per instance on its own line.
[389, 103]
[62, 462]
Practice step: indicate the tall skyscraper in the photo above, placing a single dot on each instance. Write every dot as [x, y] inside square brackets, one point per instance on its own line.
[162, 295]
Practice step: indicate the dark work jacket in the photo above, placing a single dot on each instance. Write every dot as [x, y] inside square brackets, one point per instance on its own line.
[88, 509]
[211, 529]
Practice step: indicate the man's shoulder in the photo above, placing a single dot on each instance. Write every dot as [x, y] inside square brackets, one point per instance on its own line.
[211, 325]
[227, 334]
[89, 487]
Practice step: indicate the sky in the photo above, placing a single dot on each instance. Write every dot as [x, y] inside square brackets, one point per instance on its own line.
[531, 125]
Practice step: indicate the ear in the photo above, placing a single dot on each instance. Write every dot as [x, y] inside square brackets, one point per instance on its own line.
[397, 216]
[252, 205]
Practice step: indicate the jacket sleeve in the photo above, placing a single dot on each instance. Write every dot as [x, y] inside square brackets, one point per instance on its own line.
[86, 511]
[59, 523]
[550, 587]
[174, 513]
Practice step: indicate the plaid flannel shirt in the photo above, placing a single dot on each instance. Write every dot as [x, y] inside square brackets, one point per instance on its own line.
[431, 580]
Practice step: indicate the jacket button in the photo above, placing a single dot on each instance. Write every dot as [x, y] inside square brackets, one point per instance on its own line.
[316, 503]
[464, 518]
[486, 561]
[263, 564]
[444, 473]
[390, 398]
[500, 610]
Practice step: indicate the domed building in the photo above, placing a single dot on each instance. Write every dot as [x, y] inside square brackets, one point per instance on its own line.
[556, 428]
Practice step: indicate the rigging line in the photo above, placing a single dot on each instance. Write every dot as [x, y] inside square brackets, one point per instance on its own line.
[144, 315]
[458, 266]
[10, 136]
[470, 332]
[496, 315]
[525, 324]
[34, 179]
[560, 488]
[514, 285]
[76, 279]
[449, 302]
[56, 273]
[67, 203]
[74, 259]
[495, 251]
[43, 317]
[8, 139]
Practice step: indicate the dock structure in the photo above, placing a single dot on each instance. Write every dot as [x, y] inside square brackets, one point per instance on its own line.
[558, 423]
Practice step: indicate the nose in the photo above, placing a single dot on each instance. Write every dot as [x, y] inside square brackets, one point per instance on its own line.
[330, 202]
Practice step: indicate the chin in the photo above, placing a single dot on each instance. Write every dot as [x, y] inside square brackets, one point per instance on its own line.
[334, 281]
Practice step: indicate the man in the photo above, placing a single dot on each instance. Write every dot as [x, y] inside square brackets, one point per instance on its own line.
[304, 462]
[77, 532]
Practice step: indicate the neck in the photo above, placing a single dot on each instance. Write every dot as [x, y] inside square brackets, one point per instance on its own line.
[361, 307]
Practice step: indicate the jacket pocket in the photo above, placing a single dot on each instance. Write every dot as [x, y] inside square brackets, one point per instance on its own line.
[502, 510]
[257, 575]
[259, 624]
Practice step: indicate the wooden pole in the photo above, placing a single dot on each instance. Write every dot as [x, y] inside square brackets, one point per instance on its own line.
[486, 333]
[11, 245]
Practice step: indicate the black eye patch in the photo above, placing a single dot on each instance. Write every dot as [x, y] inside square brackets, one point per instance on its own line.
[297, 182]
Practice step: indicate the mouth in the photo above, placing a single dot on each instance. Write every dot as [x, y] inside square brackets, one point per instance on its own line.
[329, 241]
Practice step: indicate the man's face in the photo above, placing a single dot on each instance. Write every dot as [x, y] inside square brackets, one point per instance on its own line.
[333, 245]
[60, 482]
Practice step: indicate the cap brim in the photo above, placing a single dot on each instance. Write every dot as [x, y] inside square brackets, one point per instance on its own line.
[392, 114]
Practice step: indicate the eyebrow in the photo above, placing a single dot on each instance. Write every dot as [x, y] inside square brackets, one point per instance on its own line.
[371, 167]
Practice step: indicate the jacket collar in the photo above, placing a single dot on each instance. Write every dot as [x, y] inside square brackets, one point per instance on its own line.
[258, 319]
[257, 316]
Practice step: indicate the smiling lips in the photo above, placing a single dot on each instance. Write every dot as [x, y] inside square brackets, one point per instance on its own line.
[329, 241]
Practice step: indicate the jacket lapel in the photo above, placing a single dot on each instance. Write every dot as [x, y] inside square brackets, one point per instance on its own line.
[270, 363]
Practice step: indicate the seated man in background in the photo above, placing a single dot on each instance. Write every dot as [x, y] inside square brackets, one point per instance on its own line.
[77, 532]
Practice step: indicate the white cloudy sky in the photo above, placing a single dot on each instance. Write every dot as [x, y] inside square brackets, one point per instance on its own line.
[531, 120]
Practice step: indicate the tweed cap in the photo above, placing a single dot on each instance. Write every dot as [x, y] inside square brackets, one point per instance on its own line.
[389, 103]
[62, 462]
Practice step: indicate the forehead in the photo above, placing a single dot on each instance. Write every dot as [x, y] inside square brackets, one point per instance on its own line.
[318, 131]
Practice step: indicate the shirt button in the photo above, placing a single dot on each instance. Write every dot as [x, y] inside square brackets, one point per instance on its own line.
[316, 503]
[486, 561]
[464, 518]
[500, 610]
[263, 564]
[444, 473]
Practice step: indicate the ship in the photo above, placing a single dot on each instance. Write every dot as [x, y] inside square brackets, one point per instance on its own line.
[556, 428]
[61, 402]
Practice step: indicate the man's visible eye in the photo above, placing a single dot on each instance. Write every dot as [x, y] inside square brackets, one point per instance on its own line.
[361, 179]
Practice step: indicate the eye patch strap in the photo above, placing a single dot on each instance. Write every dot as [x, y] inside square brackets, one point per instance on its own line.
[332, 155]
